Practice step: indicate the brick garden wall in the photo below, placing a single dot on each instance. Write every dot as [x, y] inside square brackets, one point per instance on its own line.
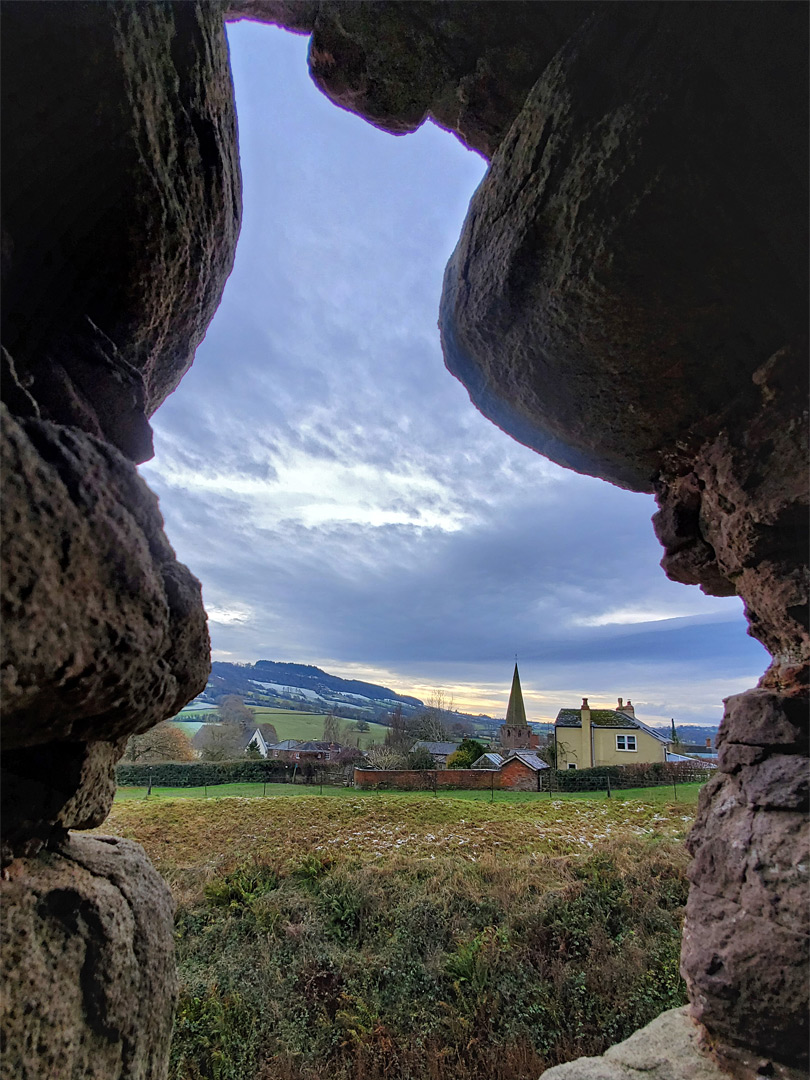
[427, 779]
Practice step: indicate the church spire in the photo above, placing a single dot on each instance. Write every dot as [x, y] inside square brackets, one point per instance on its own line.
[516, 711]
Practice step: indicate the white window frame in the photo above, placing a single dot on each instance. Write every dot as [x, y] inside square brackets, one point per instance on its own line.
[623, 743]
[572, 765]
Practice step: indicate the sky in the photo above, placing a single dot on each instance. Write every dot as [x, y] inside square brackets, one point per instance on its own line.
[343, 502]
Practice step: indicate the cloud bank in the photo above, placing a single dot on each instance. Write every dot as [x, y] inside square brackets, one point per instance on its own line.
[332, 486]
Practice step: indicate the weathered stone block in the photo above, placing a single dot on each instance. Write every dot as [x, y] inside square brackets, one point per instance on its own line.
[89, 981]
[121, 203]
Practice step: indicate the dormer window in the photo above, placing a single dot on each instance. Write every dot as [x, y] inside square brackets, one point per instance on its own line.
[625, 742]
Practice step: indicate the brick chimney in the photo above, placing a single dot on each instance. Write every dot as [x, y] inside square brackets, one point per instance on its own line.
[627, 708]
[619, 707]
[708, 744]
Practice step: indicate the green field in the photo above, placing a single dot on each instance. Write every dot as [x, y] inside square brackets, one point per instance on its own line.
[686, 795]
[303, 726]
[403, 936]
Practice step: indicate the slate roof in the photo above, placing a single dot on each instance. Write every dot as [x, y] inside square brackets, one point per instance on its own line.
[441, 748]
[490, 760]
[606, 718]
[534, 761]
[286, 744]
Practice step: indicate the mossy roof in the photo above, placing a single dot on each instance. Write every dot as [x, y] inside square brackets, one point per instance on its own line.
[606, 718]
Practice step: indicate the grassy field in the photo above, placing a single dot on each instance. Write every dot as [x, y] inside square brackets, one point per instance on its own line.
[302, 726]
[411, 936]
[687, 794]
[289, 724]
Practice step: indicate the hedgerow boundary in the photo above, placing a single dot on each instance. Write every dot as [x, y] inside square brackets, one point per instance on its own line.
[172, 774]
[605, 778]
[618, 777]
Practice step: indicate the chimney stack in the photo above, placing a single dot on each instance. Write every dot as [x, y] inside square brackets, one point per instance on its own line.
[708, 744]
[620, 704]
[629, 708]
[585, 704]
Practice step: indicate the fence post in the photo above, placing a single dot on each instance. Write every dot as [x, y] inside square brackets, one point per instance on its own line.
[492, 787]
[675, 788]
[206, 790]
[149, 789]
[320, 776]
[608, 787]
[264, 788]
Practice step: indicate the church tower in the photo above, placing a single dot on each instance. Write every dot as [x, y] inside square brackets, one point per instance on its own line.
[515, 733]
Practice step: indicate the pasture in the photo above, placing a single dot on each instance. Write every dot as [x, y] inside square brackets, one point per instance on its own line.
[684, 794]
[370, 935]
[303, 726]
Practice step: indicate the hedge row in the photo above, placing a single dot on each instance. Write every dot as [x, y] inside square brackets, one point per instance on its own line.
[210, 773]
[628, 776]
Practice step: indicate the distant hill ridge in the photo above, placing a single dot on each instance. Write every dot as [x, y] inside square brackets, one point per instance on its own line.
[243, 678]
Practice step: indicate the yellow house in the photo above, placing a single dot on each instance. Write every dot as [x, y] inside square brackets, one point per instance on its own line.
[586, 737]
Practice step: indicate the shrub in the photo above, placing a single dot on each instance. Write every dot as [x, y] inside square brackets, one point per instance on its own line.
[420, 759]
[469, 751]
[200, 773]
[651, 774]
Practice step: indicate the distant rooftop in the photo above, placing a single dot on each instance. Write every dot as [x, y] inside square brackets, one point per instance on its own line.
[606, 718]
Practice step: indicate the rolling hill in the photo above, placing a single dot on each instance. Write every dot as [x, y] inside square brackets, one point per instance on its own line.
[268, 682]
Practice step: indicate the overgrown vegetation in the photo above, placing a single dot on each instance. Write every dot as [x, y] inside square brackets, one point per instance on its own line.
[413, 937]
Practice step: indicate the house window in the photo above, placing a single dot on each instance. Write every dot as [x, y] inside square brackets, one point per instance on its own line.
[625, 742]
[571, 765]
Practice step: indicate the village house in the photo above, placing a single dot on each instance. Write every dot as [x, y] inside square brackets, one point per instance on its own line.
[309, 751]
[697, 750]
[262, 738]
[439, 751]
[586, 737]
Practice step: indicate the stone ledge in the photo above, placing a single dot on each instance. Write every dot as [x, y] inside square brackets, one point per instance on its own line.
[666, 1049]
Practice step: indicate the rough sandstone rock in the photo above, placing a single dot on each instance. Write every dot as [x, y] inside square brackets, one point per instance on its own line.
[104, 632]
[628, 297]
[468, 66]
[611, 295]
[746, 935]
[734, 514]
[89, 979]
[669, 1048]
[121, 204]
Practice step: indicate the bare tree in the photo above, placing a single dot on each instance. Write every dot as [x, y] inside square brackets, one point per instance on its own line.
[219, 742]
[432, 722]
[385, 757]
[161, 743]
[233, 710]
[398, 736]
[331, 728]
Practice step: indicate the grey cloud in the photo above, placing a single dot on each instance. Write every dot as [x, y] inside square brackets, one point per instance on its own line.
[326, 347]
